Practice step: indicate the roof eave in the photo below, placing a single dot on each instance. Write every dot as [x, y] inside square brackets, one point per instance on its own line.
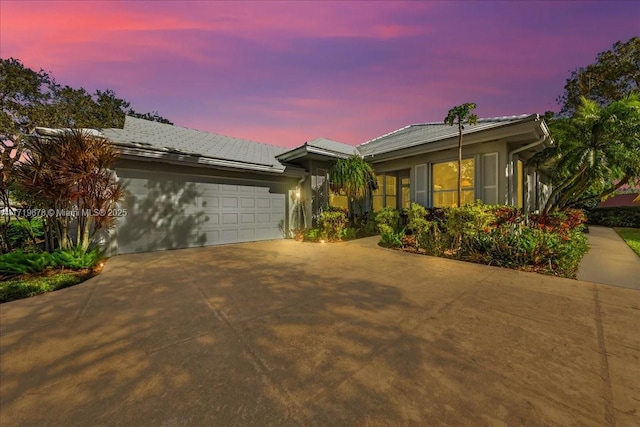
[194, 160]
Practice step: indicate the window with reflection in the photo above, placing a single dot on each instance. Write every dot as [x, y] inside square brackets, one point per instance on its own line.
[445, 183]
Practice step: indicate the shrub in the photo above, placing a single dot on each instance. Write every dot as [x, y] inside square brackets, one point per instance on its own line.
[75, 259]
[332, 222]
[498, 235]
[417, 215]
[388, 220]
[349, 233]
[19, 262]
[369, 228]
[312, 235]
[19, 233]
[624, 216]
[391, 238]
[464, 223]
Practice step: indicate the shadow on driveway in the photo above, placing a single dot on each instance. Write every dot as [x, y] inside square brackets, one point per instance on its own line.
[286, 333]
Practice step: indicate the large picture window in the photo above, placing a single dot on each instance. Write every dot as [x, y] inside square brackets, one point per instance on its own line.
[445, 183]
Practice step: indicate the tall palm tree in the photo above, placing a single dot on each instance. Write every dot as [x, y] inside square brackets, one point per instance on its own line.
[461, 115]
[598, 151]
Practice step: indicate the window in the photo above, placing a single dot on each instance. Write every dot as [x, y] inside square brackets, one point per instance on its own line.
[338, 199]
[405, 192]
[445, 183]
[393, 190]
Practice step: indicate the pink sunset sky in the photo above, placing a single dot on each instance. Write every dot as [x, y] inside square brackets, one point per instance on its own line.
[287, 72]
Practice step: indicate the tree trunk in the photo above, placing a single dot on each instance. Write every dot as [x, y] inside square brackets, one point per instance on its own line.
[459, 162]
[549, 205]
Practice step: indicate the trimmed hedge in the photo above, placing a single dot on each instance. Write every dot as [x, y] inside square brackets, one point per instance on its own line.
[622, 216]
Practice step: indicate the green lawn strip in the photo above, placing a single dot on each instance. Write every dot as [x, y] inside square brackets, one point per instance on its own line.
[26, 286]
[631, 236]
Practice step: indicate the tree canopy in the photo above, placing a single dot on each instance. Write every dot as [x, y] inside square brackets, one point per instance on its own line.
[31, 98]
[355, 178]
[614, 75]
[597, 152]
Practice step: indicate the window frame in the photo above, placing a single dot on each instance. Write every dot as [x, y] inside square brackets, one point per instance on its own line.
[454, 190]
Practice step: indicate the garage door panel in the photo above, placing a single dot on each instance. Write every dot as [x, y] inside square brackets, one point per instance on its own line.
[229, 236]
[210, 202]
[263, 203]
[229, 202]
[263, 217]
[229, 218]
[165, 213]
[246, 202]
[247, 234]
[247, 218]
[211, 219]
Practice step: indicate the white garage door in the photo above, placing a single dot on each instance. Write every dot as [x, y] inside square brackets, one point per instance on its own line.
[168, 212]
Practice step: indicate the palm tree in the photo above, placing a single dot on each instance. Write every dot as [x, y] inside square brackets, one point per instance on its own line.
[461, 115]
[598, 151]
[355, 177]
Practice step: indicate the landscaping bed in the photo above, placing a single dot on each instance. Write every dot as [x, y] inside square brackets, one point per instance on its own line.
[28, 285]
[493, 235]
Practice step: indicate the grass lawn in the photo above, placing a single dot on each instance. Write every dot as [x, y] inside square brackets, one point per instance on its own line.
[631, 236]
[48, 281]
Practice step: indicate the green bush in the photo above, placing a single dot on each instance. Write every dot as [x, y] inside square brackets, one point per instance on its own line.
[349, 233]
[19, 262]
[312, 235]
[22, 288]
[369, 228]
[75, 259]
[495, 235]
[388, 220]
[332, 222]
[19, 232]
[391, 239]
[463, 224]
[624, 216]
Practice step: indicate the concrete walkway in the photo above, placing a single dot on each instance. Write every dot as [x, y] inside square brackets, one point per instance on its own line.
[610, 260]
[298, 334]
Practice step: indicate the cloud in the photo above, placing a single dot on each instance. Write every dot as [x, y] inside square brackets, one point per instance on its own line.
[286, 72]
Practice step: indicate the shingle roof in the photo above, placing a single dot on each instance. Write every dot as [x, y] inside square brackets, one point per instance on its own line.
[331, 145]
[424, 133]
[150, 135]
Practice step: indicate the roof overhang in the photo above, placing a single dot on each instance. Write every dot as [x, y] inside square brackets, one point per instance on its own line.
[310, 152]
[138, 151]
[520, 133]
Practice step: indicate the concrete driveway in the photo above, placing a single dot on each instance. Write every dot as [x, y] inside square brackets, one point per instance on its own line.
[288, 333]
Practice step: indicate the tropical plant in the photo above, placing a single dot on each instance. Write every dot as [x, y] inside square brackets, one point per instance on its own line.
[332, 222]
[597, 152]
[388, 219]
[461, 115]
[356, 178]
[69, 173]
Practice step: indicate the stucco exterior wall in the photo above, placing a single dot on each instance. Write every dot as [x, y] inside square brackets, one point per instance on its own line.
[451, 154]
